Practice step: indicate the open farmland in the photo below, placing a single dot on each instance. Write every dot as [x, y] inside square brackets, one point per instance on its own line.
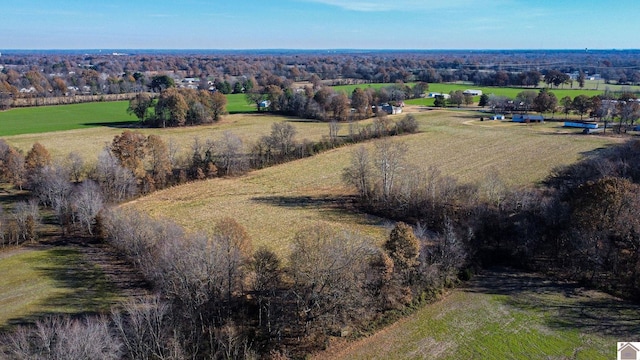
[44, 119]
[276, 202]
[505, 315]
[89, 142]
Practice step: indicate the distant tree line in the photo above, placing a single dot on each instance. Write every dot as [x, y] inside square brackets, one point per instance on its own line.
[42, 75]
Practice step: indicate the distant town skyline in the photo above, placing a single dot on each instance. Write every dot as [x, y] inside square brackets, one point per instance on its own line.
[319, 24]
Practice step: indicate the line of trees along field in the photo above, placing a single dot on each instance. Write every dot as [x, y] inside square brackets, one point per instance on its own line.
[180, 107]
[217, 297]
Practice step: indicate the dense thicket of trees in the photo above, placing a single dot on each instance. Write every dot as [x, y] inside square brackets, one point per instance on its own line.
[582, 225]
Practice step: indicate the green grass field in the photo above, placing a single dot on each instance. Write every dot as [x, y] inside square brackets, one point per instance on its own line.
[510, 92]
[43, 281]
[237, 103]
[505, 315]
[46, 119]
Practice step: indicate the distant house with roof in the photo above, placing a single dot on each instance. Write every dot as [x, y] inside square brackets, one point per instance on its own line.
[472, 92]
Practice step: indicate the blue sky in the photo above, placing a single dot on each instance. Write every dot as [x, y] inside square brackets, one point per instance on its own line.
[319, 24]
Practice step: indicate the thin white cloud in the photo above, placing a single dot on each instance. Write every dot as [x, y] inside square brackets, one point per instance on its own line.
[386, 5]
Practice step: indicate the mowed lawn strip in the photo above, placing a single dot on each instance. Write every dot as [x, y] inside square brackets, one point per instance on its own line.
[237, 103]
[37, 282]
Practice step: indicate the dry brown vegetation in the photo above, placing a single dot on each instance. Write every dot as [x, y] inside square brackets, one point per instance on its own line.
[273, 203]
[277, 203]
[89, 142]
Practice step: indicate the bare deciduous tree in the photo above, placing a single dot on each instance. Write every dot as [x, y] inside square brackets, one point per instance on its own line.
[76, 165]
[266, 280]
[65, 338]
[87, 202]
[359, 173]
[145, 327]
[234, 247]
[389, 161]
[329, 270]
[26, 216]
[117, 182]
[159, 160]
[229, 157]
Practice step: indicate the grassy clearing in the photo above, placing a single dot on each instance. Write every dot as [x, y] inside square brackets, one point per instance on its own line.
[64, 117]
[274, 203]
[505, 315]
[39, 282]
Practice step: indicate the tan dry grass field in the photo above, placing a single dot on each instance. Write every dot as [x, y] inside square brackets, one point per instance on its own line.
[274, 203]
[89, 142]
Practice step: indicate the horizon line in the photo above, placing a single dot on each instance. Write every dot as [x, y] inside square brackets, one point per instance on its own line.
[318, 49]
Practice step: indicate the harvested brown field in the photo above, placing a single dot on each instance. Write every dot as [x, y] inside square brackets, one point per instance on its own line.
[274, 203]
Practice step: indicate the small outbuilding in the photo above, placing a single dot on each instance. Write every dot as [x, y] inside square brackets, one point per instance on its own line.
[581, 125]
[390, 109]
[472, 92]
[436, 94]
[526, 118]
[263, 105]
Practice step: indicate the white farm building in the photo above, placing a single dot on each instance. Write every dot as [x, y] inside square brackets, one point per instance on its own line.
[472, 92]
